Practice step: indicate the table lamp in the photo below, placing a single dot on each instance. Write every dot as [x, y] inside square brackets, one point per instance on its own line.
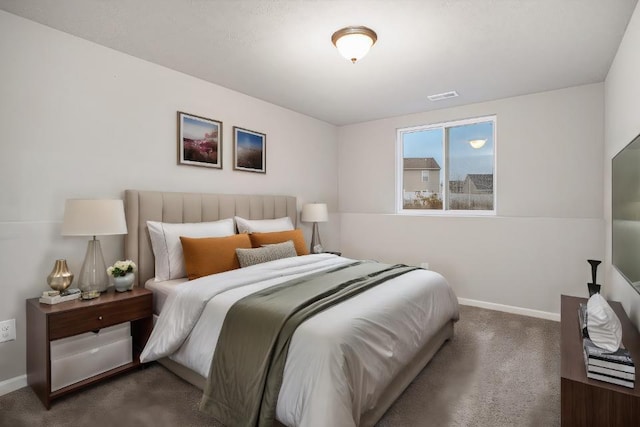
[315, 212]
[93, 218]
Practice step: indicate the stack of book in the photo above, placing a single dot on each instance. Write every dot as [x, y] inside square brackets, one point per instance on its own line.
[55, 297]
[616, 368]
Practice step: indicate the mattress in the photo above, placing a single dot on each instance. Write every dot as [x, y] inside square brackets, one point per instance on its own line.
[161, 291]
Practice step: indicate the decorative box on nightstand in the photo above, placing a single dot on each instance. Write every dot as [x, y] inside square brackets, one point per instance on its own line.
[79, 343]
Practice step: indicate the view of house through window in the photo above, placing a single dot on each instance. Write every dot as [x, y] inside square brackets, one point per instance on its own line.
[448, 166]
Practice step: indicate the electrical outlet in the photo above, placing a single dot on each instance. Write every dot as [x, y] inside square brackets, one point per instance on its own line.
[8, 330]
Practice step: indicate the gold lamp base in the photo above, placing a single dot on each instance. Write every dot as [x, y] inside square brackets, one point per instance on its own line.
[89, 295]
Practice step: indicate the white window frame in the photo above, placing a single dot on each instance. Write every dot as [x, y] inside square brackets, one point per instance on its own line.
[439, 212]
[424, 176]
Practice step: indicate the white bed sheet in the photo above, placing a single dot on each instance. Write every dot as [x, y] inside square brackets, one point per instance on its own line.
[339, 360]
[161, 291]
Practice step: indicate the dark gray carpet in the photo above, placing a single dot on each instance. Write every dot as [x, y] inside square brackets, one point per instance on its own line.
[499, 370]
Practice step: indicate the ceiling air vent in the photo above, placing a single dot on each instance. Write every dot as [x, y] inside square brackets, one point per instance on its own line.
[441, 96]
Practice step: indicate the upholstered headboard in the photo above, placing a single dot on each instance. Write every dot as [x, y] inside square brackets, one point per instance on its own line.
[143, 206]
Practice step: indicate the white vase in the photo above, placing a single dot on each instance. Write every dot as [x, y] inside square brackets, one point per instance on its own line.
[123, 283]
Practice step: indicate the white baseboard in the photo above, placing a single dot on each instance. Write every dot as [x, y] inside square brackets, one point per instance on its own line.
[511, 309]
[12, 384]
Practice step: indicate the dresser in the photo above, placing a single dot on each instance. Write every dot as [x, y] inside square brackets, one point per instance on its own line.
[586, 402]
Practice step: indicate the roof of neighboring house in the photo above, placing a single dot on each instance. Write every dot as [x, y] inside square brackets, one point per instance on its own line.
[421, 163]
[482, 181]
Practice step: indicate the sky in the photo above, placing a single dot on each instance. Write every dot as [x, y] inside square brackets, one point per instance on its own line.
[463, 158]
[195, 129]
[249, 140]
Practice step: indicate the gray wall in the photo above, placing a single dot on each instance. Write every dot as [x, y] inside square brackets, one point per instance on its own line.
[82, 121]
[622, 124]
[549, 221]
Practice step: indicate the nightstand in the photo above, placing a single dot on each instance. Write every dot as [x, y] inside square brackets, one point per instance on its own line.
[47, 323]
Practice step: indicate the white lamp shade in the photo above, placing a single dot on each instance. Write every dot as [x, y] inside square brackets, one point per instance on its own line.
[354, 42]
[354, 46]
[93, 218]
[314, 212]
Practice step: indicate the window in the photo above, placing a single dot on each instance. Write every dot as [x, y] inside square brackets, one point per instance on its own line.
[447, 167]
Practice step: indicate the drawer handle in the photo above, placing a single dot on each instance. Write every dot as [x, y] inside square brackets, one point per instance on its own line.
[99, 317]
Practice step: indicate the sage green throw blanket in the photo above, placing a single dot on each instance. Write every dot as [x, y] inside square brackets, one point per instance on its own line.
[248, 364]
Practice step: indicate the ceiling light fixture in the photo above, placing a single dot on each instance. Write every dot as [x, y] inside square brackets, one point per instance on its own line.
[477, 143]
[354, 42]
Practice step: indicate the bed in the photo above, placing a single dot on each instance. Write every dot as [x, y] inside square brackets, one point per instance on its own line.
[390, 335]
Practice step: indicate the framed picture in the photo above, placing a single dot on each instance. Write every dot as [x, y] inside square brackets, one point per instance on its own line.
[199, 141]
[249, 150]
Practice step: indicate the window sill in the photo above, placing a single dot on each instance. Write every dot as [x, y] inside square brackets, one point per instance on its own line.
[447, 214]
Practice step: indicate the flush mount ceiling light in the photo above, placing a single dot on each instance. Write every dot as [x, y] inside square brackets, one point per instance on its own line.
[354, 42]
[477, 143]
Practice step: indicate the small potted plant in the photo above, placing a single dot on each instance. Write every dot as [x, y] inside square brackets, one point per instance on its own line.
[122, 273]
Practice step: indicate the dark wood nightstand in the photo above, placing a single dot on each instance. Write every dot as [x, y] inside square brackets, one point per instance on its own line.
[46, 323]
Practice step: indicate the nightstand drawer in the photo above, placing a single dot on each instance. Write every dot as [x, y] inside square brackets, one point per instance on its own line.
[98, 316]
[89, 340]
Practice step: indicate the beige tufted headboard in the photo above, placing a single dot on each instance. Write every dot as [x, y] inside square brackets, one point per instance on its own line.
[143, 206]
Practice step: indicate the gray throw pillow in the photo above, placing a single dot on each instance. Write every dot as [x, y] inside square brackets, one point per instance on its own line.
[248, 257]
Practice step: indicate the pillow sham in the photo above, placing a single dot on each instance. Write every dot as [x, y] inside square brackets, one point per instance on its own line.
[248, 257]
[260, 239]
[167, 250]
[263, 225]
[211, 255]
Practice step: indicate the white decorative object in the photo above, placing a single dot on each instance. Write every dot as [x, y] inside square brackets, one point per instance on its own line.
[123, 283]
[603, 325]
[123, 274]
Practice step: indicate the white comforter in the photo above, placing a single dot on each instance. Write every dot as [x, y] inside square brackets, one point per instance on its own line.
[339, 360]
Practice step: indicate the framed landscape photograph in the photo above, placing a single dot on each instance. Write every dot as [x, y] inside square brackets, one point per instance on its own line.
[249, 150]
[199, 141]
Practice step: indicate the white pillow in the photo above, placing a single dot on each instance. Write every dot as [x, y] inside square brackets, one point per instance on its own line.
[167, 249]
[263, 225]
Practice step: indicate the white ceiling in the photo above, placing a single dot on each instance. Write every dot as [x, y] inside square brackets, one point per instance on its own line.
[280, 50]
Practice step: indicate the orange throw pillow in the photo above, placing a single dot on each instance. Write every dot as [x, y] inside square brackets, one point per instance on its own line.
[259, 239]
[210, 255]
